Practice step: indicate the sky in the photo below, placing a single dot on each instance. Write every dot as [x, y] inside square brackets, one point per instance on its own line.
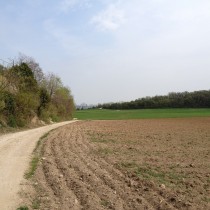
[112, 50]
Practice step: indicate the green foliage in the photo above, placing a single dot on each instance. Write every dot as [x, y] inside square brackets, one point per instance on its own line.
[26, 101]
[36, 203]
[23, 70]
[197, 99]
[106, 203]
[33, 166]
[12, 121]
[26, 92]
[44, 98]
[27, 104]
[25, 77]
[150, 172]
[63, 104]
[2, 105]
[10, 104]
[23, 208]
[1, 69]
[55, 118]
[22, 121]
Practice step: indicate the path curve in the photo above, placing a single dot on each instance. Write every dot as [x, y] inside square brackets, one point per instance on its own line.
[15, 153]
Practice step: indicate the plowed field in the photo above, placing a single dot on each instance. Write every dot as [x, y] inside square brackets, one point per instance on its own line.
[133, 164]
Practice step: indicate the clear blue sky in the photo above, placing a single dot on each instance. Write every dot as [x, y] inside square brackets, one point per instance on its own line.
[112, 50]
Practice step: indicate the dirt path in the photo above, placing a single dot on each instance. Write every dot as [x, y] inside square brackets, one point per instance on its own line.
[15, 151]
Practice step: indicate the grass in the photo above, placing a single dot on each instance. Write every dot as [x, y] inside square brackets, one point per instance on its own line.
[33, 165]
[97, 114]
[40, 140]
[36, 204]
[35, 159]
[206, 199]
[105, 203]
[104, 151]
[147, 173]
[32, 168]
[23, 208]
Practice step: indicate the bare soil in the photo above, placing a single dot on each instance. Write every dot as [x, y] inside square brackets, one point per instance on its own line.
[133, 164]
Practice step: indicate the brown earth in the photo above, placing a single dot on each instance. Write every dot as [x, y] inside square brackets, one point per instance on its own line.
[134, 164]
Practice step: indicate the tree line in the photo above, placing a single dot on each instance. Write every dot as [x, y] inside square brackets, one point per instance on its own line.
[27, 92]
[196, 99]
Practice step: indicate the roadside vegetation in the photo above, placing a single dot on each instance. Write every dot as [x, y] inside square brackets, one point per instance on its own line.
[27, 95]
[37, 153]
[105, 114]
[36, 157]
[23, 208]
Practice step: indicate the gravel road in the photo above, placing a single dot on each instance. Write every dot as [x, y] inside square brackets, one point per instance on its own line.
[15, 153]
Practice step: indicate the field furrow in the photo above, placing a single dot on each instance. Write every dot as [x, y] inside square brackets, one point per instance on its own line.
[137, 164]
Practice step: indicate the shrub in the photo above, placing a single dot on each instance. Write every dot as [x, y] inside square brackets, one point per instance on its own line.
[2, 105]
[10, 104]
[23, 208]
[12, 121]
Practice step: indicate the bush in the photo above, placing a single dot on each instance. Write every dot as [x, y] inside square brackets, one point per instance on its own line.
[25, 97]
[55, 118]
[12, 121]
[23, 208]
[21, 122]
[2, 105]
[10, 104]
[44, 99]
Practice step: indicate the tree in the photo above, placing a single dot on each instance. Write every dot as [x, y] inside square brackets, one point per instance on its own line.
[21, 95]
[1, 69]
[197, 99]
[26, 92]
[51, 83]
[25, 80]
[44, 99]
[6, 78]
[3, 82]
[64, 103]
[33, 65]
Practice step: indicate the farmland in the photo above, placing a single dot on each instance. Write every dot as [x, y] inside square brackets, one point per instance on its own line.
[103, 114]
[125, 164]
